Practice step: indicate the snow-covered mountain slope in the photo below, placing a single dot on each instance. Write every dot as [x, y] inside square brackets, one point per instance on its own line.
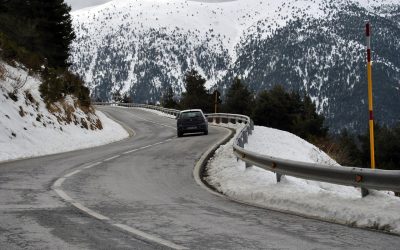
[28, 128]
[317, 46]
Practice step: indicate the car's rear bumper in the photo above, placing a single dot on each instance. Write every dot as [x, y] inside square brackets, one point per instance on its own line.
[192, 128]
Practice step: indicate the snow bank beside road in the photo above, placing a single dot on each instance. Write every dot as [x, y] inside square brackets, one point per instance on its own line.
[379, 210]
[285, 145]
[28, 129]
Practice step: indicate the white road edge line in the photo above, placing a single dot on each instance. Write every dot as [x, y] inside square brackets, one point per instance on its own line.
[72, 173]
[198, 167]
[152, 238]
[92, 213]
[149, 236]
[111, 158]
[59, 182]
[144, 147]
[89, 211]
[63, 195]
[93, 165]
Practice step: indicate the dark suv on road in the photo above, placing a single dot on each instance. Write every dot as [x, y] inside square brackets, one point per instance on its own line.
[191, 121]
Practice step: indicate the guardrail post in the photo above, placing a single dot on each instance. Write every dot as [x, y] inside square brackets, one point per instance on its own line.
[249, 130]
[248, 165]
[245, 138]
[240, 142]
[278, 177]
[364, 192]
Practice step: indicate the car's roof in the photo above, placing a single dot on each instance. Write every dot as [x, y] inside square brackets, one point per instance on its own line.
[191, 110]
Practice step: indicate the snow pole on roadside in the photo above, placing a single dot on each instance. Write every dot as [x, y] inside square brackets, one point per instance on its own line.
[215, 102]
[370, 106]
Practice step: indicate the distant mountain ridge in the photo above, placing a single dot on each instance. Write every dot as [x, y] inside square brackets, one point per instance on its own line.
[315, 46]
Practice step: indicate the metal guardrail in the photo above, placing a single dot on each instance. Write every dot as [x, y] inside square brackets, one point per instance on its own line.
[364, 178]
[134, 105]
[349, 176]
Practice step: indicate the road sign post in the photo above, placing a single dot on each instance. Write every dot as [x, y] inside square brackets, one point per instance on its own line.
[217, 100]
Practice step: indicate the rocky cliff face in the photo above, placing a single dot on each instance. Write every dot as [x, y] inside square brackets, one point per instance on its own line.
[312, 46]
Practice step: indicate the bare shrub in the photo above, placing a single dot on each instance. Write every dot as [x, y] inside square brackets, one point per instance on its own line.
[335, 151]
[98, 124]
[53, 109]
[21, 112]
[84, 123]
[13, 96]
[29, 97]
[20, 83]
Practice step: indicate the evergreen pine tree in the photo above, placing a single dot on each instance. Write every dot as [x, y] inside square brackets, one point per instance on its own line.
[239, 100]
[307, 124]
[347, 144]
[117, 97]
[387, 147]
[55, 30]
[279, 109]
[42, 27]
[196, 95]
[37, 33]
[126, 98]
[272, 109]
[167, 99]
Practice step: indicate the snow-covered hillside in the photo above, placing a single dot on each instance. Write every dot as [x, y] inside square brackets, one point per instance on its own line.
[140, 47]
[28, 128]
[228, 19]
[219, 26]
[336, 203]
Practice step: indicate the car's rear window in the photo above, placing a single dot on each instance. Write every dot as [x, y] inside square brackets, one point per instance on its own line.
[191, 114]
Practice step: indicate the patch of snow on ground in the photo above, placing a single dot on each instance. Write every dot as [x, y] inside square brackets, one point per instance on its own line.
[336, 203]
[28, 129]
[285, 145]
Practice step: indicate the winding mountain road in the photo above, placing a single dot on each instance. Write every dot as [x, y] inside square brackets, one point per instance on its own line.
[140, 194]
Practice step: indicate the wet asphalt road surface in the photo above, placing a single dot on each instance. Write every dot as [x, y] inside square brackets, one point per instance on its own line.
[146, 183]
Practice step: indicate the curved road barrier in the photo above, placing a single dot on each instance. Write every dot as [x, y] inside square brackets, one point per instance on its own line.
[364, 178]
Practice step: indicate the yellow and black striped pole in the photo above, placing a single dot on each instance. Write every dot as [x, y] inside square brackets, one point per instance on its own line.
[370, 106]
